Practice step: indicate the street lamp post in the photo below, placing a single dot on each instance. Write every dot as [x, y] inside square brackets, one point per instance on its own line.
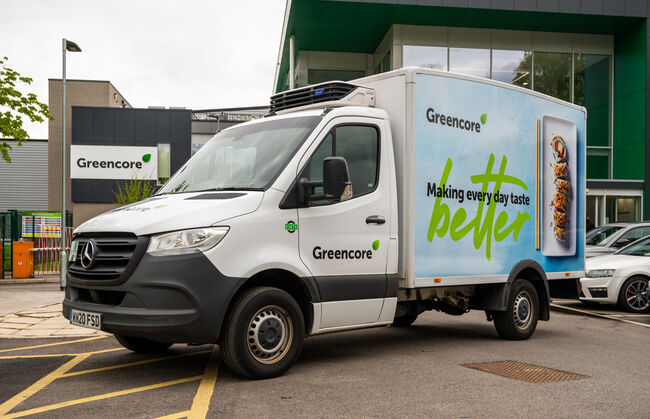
[72, 47]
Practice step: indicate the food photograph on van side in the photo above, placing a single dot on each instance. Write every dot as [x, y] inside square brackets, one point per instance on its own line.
[324, 208]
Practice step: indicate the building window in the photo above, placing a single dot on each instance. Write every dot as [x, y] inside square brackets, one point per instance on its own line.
[552, 74]
[164, 162]
[514, 67]
[470, 61]
[427, 57]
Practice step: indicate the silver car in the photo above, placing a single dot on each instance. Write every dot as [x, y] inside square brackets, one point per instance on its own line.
[607, 239]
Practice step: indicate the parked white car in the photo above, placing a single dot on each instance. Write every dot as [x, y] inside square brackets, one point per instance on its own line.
[620, 278]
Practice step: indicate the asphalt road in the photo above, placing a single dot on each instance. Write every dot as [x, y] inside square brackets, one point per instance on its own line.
[380, 372]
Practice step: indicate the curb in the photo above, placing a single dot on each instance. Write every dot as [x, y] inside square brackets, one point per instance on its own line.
[570, 310]
[43, 280]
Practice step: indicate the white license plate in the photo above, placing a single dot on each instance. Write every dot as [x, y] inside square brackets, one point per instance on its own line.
[85, 319]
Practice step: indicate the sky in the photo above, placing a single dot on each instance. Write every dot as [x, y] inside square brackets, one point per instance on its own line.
[199, 54]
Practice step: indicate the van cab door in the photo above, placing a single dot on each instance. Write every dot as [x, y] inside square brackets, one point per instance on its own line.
[345, 243]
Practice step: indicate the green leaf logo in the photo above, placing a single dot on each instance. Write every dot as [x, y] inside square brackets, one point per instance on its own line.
[146, 158]
[375, 245]
[483, 118]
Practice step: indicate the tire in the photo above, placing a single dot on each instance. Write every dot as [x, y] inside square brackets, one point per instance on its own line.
[263, 333]
[634, 296]
[519, 320]
[141, 345]
[405, 320]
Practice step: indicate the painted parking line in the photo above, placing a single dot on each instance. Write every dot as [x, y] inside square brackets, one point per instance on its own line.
[101, 397]
[132, 364]
[200, 403]
[175, 415]
[40, 384]
[55, 355]
[53, 344]
[591, 313]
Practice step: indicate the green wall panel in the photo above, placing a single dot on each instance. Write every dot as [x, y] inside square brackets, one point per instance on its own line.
[629, 103]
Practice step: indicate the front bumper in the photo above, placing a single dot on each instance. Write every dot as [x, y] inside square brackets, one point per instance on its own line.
[175, 299]
[597, 289]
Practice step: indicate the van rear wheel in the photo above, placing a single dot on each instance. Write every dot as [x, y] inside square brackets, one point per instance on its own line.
[519, 320]
[263, 333]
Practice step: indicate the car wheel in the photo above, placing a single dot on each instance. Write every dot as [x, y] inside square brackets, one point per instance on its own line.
[141, 345]
[263, 333]
[519, 320]
[633, 295]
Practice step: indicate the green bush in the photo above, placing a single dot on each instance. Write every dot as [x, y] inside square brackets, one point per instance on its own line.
[133, 190]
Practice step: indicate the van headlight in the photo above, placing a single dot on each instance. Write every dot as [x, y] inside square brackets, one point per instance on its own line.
[600, 273]
[186, 241]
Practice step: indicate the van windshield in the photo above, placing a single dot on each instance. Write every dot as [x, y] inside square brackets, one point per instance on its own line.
[247, 157]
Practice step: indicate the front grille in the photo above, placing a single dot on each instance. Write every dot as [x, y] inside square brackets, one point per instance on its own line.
[114, 257]
[112, 298]
[309, 95]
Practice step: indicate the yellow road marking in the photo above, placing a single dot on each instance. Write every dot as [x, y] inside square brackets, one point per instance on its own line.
[604, 316]
[101, 397]
[40, 384]
[55, 355]
[175, 415]
[54, 344]
[131, 364]
[201, 401]
[35, 356]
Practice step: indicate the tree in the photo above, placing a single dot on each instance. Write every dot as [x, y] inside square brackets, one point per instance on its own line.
[15, 105]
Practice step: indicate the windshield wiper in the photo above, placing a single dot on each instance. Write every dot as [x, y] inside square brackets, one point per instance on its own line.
[228, 188]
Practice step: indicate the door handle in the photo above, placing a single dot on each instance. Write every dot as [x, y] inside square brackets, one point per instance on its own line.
[375, 219]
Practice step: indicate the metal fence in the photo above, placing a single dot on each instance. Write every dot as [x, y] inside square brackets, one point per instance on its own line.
[47, 253]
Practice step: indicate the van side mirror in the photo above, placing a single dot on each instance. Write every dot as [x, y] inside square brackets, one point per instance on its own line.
[336, 183]
[336, 179]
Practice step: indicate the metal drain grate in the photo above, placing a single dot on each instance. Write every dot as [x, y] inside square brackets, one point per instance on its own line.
[524, 372]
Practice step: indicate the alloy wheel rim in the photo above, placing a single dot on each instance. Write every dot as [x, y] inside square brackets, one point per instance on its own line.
[636, 295]
[270, 333]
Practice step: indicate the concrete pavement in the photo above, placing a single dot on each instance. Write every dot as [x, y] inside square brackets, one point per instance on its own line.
[33, 310]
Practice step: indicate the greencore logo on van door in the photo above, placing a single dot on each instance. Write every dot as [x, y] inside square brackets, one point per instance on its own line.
[344, 254]
[146, 158]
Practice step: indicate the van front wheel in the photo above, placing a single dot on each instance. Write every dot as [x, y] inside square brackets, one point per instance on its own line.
[519, 320]
[263, 333]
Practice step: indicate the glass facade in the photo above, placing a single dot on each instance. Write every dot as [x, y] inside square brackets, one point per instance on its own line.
[514, 67]
[427, 57]
[470, 61]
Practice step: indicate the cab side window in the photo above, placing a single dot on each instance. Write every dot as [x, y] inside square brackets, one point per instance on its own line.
[359, 146]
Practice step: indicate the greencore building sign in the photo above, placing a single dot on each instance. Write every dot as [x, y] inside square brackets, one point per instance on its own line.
[112, 162]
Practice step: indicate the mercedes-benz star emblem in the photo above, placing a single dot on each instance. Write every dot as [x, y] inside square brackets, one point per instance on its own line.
[88, 255]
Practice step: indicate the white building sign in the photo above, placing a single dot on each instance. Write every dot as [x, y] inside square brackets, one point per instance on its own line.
[113, 162]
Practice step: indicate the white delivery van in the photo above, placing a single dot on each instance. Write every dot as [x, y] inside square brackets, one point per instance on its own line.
[351, 205]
